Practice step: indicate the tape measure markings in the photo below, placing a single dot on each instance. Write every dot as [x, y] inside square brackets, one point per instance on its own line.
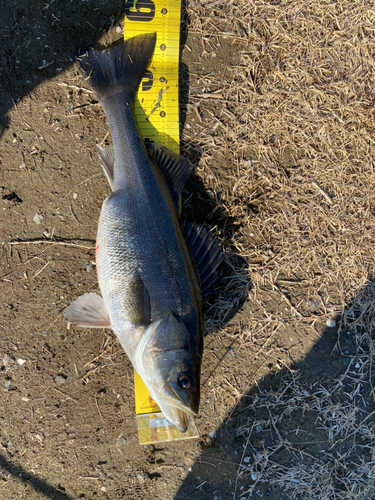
[162, 17]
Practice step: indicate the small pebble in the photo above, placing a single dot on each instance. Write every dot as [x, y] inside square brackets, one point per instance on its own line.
[118, 29]
[246, 460]
[331, 323]
[259, 428]
[212, 434]
[123, 440]
[37, 218]
[7, 360]
[7, 386]
[254, 476]
[141, 477]
[357, 365]
[21, 361]
[60, 379]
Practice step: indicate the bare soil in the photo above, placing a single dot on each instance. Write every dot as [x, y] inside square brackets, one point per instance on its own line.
[277, 117]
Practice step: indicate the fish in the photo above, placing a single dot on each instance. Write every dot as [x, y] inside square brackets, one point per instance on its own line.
[153, 270]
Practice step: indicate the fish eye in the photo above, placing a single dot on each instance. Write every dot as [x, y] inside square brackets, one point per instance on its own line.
[185, 381]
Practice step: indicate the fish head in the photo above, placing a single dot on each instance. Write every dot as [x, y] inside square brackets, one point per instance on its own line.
[171, 370]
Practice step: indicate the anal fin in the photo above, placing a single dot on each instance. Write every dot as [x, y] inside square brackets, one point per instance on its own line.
[107, 159]
[89, 311]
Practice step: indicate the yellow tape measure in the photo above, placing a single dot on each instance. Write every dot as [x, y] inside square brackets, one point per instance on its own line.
[156, 107]
[157, 116]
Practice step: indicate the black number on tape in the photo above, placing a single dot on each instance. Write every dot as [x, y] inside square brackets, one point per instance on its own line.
[142, 10]
[148, 80]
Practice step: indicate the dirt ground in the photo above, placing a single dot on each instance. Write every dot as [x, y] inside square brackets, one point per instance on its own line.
[277, 117]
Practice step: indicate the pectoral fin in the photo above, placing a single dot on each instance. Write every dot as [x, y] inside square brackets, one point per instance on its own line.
[139, 303]
[88, 311]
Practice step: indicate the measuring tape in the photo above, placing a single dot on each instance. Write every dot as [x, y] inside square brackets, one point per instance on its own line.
[157, 115]
[156, 106]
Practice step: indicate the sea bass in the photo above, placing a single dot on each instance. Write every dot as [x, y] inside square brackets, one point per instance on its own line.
[152, 271]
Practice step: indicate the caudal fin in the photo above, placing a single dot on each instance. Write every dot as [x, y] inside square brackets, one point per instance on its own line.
[119, 69]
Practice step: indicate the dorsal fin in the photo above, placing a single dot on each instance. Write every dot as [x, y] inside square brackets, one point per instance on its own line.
[175, 169]
[206, 252]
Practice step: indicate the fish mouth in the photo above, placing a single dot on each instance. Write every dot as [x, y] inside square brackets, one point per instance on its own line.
[177, 402]
[183, 421]
[178, 409]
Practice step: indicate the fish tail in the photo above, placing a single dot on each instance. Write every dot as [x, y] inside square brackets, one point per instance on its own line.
[119, 69]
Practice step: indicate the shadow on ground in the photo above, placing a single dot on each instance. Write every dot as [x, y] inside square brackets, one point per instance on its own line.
[301, 435]
[38, 38]
[30, 479]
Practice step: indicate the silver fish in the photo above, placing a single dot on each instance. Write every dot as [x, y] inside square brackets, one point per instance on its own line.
[152, 272]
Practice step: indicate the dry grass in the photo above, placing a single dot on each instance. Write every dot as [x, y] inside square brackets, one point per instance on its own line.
[298, 122]
[285, 120]
[345, 466]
